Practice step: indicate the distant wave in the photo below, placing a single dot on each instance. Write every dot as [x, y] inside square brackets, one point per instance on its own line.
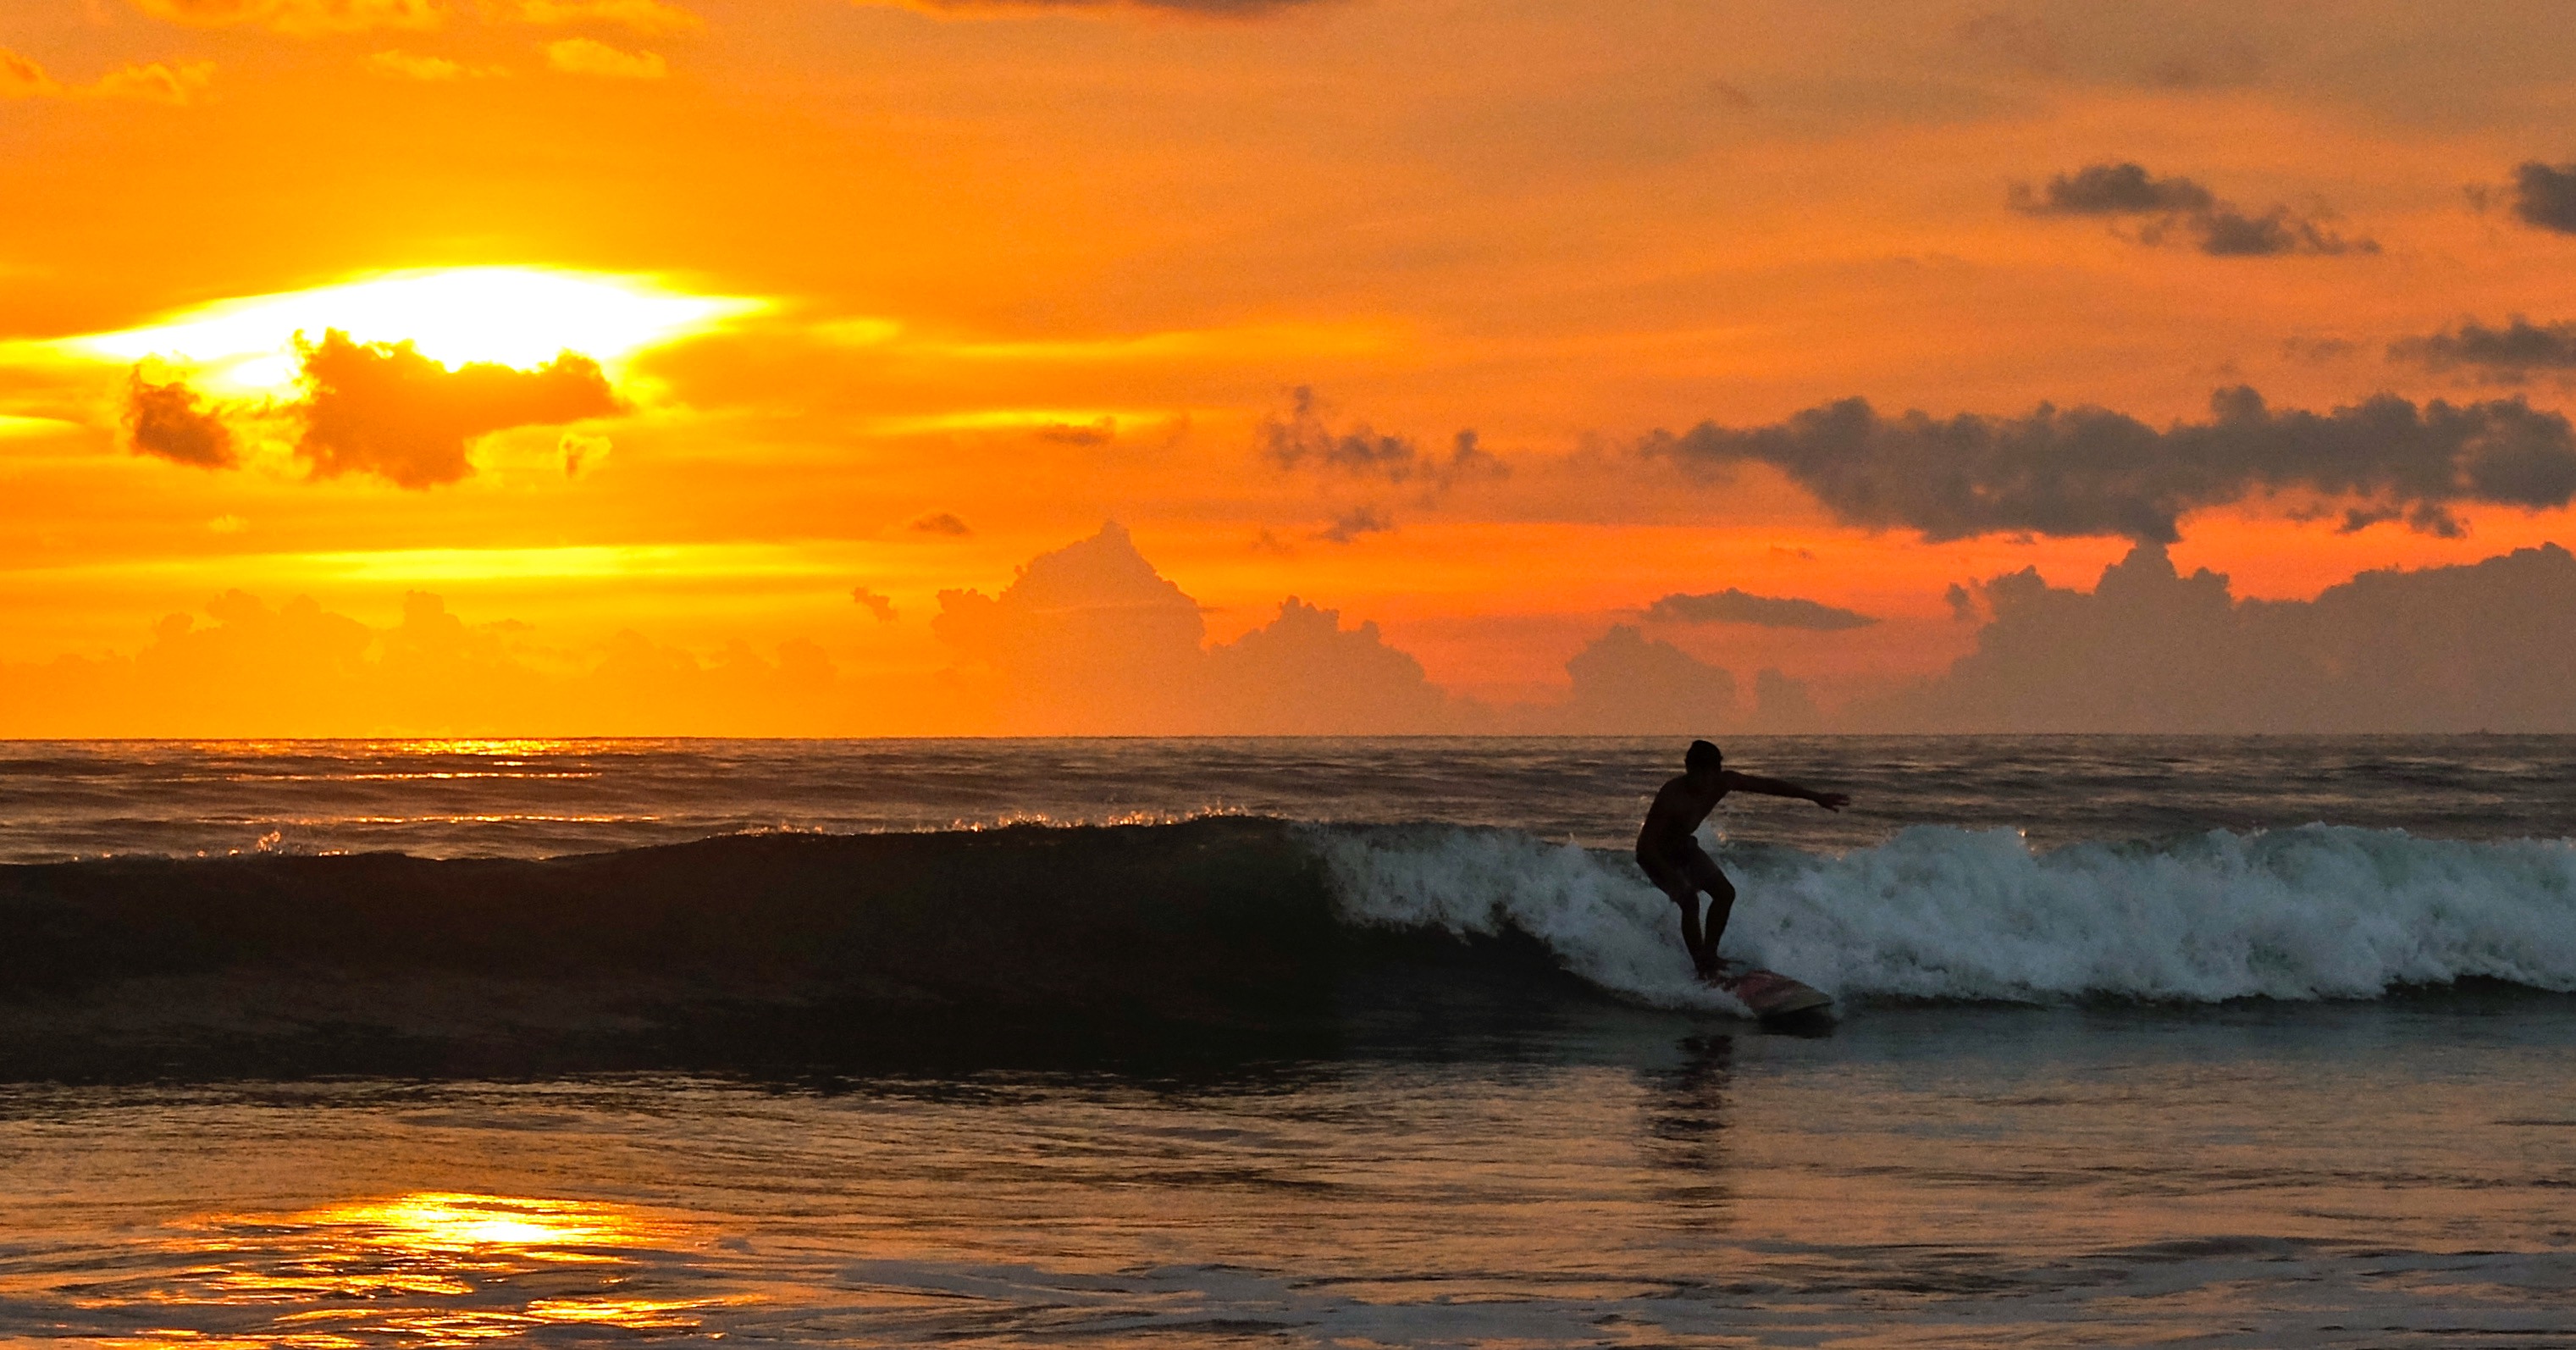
[1936, 913]
[1218, 933]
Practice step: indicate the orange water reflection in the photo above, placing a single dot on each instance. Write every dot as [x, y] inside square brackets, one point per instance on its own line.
[434, 1268]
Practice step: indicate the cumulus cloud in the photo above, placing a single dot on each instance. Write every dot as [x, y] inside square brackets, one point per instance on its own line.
[301, 18]
[2182, 208]
[2091, 471]
[1735, 606]
[880, 606]
[2544, 195]
[2148, 649]
[384, 408]
[1091, 639]
[1302, 440]
[585, 56]
[940, 522]
[2508, 353]
[171, 421]
[153, 82]
[1628, 683]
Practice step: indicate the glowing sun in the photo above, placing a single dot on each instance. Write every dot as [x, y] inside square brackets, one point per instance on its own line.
[515, 316]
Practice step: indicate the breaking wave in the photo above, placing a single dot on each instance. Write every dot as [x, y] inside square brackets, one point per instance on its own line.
[1224, 936]
[1935, 913]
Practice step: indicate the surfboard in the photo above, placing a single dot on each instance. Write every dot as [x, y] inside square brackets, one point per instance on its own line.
[1771, 995]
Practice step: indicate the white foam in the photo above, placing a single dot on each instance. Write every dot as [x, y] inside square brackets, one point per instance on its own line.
[2316, 912]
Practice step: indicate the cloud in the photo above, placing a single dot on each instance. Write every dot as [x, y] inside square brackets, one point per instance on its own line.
[405, 65]
[649, 17]
[2545, 195]
[940, 522]
[1304, 674]
[166, 420]
[384, 408]
[23, 78]
[1628, 683]
[2111, 190]
[2228, 233]
[2092, 472]
[1735, 606]
[1301, 440]
[154, 82]
[1350, 525]
[1091, 639]
[581, 451]
[582, 56]
[876, 604]
[2480, 647]
[301, 18]
[2184, 208]
[2508, 353]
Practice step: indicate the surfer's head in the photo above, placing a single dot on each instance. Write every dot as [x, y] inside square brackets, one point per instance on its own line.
[1702, 757]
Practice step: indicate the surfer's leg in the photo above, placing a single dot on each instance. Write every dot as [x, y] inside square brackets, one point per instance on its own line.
[1679, 887]
[1704, 875]
[1702, 951]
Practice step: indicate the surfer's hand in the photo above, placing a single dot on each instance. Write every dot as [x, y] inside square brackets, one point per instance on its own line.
[1832, 801]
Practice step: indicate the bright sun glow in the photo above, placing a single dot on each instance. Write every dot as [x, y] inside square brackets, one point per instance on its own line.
[516, 316]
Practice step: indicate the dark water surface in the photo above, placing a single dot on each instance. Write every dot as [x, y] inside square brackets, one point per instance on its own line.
[2142, 1041]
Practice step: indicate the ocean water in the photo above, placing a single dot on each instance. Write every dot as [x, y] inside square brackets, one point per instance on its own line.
[2175, 1041]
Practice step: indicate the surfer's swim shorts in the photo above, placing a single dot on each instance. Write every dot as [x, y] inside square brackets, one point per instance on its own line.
[1683, 874]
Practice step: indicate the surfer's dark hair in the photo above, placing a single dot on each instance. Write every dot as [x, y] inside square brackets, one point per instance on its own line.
[1702, 755]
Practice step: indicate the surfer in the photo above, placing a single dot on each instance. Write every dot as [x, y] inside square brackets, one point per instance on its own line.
[1672, 857]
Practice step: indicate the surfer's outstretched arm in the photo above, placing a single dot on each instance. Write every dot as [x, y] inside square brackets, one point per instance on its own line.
[1781, 787]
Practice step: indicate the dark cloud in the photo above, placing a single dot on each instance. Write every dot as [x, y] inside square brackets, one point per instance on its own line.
[2111, 190]
[2152, 650]
[1350, 525]
[384, 408]
[2180, 208]
[1302, 440]
[940, 522]
[2229, 233]
[2510, 352]
[2090, 471]
[1735, 606]
[167, 420]
[1099, 431]
[2545, 195]
[878, 605]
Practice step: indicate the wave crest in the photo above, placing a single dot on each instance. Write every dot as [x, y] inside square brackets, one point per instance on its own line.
[1939, 913]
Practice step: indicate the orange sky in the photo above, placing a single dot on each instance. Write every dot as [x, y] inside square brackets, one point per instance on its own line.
[1034, 267]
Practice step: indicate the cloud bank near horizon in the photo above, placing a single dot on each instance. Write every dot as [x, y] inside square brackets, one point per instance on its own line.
[1091, 639]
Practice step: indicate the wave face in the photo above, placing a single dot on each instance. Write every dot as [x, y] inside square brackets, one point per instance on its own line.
[1226, 935]
[1937, 913]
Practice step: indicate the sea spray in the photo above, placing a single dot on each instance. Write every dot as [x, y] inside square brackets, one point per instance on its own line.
[1940, 913]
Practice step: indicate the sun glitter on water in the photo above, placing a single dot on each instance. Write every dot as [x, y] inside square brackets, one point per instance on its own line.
[514, 316]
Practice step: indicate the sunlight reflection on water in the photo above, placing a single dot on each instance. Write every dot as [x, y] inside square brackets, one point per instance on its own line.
[424, 1268]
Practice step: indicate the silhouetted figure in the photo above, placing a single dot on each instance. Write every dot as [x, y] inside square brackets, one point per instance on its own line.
[1672, 857]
